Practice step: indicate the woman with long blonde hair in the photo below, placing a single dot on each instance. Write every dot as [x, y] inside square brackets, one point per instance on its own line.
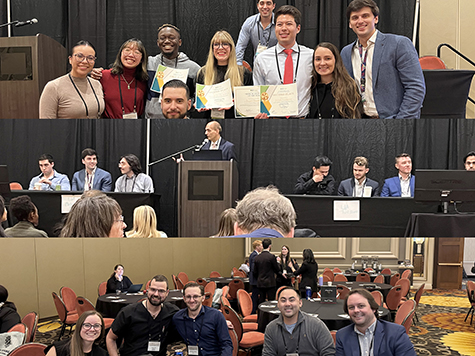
[145, 223]
[222, 65]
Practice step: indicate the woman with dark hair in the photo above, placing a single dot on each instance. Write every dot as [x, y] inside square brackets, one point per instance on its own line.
[96, 216]
[334, 93]
[85, 340]
[308, 270]
[132, 178]
[222, 65]
[125, 84]
[286, 263]
[3, 216]
[74, 95]
[117, 280]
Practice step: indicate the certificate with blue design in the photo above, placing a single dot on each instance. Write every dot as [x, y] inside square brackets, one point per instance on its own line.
[215, 96]
[165, 74]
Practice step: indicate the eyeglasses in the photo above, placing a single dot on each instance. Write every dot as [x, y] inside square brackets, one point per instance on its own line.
[129, 51]
[224, 45]
[121, 219]
[88, 326]
[195, 297]
[159, 291]
[80, 57]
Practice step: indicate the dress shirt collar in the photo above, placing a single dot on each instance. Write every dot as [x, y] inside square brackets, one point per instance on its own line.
[295, 48]
[402, 179]
[358, 184]
[369, 330]
[371, 41]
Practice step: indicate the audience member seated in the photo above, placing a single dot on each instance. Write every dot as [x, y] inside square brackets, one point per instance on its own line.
[145, 223]
[49, 179]
[3, 216]
[91, 177]
[469, 161]
[226, 223]
[220, 66]
[403, 184]
[308, 270]
[264, 212]
[8, 314]
[26, 213]
[359, 185]
[132, 178]
[96, 216]
[74, 95]
[318, 181]
[87, 335]
[176, 101]
[117, 281]
[334, 92]
[386, 338]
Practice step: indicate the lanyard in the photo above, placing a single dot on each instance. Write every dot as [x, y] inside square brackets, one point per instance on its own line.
[89, 180]
[296, 67]
[84, 102]
[362, 190]
[176, 60]
[199, 333]
[263, 33]
[122, 102]
[363, 67]
[133, 184]
[319, 104]
[298, 339]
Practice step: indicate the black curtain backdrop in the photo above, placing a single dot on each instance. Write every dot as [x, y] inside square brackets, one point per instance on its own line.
[269, 151]
[108, 23]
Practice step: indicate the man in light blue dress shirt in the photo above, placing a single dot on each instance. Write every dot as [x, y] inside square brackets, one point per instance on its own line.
[49, 179]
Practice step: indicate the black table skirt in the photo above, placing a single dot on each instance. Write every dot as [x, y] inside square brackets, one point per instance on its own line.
[352, 277]
[441, 225]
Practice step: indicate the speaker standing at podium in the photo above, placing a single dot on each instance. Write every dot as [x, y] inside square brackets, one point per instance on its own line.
[74, 95]
[215, 142]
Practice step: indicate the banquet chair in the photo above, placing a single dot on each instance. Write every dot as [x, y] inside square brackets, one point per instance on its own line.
[406, 274]
[177, 282]
[245, 304]
[378, 297]
[240, 274]
[214, 274]
[201, 282]
[330, 274]
[234, 286]
[31, 322]
[379, 279]
[29, 349]
[147, 285]
[343, 291]
[363, 277]
[69, 299]
[340, 278]
[234, 339]
[183, 277]
[405, 313]
[333, 333]
[84, 304]
[336, 270]
[394, 279]
[417, 298]
[471, 298]
[211, 287]
[432, 62]
[386, 271]
[234, 271]
[369, 269]
[326, 269]
[208, 299]
[392, 300]
[406, 286]
[102, 289]
[278, 291]
[20, 328]
[15, 186]
[65, 318]
[225, 291]
[326, 279]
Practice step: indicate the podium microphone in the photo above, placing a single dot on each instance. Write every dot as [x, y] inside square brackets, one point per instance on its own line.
[28, 22]
[199, 147]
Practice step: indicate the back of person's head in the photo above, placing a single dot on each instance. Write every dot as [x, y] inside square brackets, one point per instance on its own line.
[145, 223]
[177, 84]
[91, 217]
[3, 294]
[357, 5]
[133, 162]
[92, 193]
[265, 207]
[76, 345]
[361, 161]
[89, 152]
[21, 207]
[46, 156]
[321, 161]
[369, 297]
[226, 222]
[308, 256]
[266, 243]
[289, 10]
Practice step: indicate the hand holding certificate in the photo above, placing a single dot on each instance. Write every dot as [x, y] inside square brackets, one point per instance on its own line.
[165, 74]
[272, 100]
[214, 96]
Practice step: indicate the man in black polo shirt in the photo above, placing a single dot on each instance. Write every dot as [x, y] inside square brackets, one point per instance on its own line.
[145, 327]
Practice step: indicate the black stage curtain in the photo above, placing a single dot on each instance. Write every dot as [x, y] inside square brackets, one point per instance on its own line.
[269, 151]
[108, 23]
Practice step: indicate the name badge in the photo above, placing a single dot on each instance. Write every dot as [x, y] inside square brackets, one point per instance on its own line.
[294, 354]
[193, 350]
[217, 114]
[153, 346]
[260, 48]
[130, 115]
[367, 192]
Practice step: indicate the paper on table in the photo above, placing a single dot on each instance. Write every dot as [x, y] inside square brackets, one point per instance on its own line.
[346, 210]
[165, 74]
[346, 316]
[214, 96]
[67, 202]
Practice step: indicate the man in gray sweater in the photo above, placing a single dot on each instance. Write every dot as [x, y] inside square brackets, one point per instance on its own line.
[295, 332]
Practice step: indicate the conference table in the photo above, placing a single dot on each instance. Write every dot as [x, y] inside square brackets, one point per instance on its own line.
[224, 281]
[351, 277]
[331, 314]
[370, 286]
[109, 305]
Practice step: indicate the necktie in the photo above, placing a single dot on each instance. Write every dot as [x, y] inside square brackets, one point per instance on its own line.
[289, 67]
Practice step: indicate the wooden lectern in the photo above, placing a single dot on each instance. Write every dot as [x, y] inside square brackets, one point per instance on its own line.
[26, 65]
[205, 189]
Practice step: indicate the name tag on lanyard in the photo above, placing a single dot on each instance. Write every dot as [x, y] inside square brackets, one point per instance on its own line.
[153, 346]
[193, 350]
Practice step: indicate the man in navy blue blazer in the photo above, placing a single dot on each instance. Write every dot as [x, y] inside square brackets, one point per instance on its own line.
[91, 177]
[213, 132]
[403, 184]
[360, 185]
[368, 333]
[385, 66]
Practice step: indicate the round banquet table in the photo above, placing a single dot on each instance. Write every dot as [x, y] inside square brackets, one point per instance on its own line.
[331, 314]
[370, 286]
[351, 277]
[109, 305]
[224, 281]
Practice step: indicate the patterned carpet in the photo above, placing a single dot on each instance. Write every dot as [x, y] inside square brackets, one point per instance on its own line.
[441, 329]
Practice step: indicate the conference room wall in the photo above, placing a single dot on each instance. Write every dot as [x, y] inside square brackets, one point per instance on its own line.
[31, 269]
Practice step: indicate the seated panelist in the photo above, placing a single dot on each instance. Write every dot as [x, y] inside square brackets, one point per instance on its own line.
[91, 177]
[49, 179]
[318, 181]
[359, 185]
[403, 184]
[132, 178]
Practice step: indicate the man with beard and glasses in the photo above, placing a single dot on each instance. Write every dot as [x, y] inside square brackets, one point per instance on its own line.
[295, 332]
[146, 328]
[203, 329]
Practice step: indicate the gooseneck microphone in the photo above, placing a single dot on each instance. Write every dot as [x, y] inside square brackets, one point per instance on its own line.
[28, 22]
[199, 147]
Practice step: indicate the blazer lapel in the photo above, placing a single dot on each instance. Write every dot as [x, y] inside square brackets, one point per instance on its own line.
[378, 338]
[377, 55]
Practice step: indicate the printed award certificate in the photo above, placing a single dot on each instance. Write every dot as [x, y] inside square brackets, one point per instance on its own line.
[165, 74]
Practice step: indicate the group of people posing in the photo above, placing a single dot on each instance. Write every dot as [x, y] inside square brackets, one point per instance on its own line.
[377, 76]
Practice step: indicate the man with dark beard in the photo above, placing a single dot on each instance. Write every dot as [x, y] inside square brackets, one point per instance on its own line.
[146, 328]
